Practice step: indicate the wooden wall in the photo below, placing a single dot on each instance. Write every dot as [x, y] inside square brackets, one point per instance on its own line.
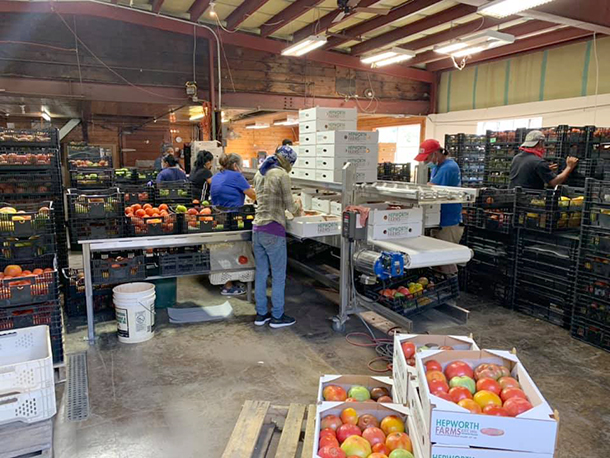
[251, 141]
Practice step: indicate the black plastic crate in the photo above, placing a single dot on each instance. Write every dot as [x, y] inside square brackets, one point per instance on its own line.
[88, 157]
[92, 178]
[439, 290]
[216, 219]
[497, 220]
[144, 226]
[36, 315]
[596, 265]
[118, 267]
[95, 204]
[27, 249]
[546, 309]
[178, 262]
[601, 135]
[28, 158]
[33, 287]
[96, 229]
[505, 137]
[591, 287]
[553, 253]
[137, 194]
[173, 192]
[388, 171]
[134, 176]
[549, 210]
[595, 242]
[30, 219]
[29, 137]
[35, 183]
[593, 310]
[591, 332]
[74, 294]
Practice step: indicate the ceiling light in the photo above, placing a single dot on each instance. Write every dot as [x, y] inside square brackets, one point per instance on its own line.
[371, 59]
[503, 8]
[476, 43]
[304, 46]
[258, 125]
[45, 116]
[448, 49]
[213, 10]
[468, 51]
[196, 117]
[390, 56]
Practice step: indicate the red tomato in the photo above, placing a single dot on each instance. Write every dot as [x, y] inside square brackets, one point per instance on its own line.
[334, 393]
[330, 421]
[458, 369]
[435, 375]
[516, 406]
[347, 430]
[408, 348]
[489, 384]
[508, 393]
[374, 435]
[433, 365]
[445, 396]
[508, 382]
[399, 440]
[381, 448]
[328, 432]
[493, 409]
[328, 441]
[457, 393]
[331, 452]
[437, 386]
[349, 416]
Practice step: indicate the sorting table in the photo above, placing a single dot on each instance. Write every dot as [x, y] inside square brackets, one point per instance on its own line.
[162, 241]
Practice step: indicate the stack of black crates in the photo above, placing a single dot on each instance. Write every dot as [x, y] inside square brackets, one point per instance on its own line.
[90, 167]
[470, 153]
[33, 240]
[388, 171]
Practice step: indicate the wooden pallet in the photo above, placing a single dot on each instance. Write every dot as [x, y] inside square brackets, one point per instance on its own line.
[23, 440]
[266, 431]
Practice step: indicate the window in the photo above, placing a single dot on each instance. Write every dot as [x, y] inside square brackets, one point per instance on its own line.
[508, 124]
[406, 139]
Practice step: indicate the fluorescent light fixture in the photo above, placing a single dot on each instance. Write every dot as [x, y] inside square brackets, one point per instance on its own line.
[393, 60]
[503, 8]
[286, 122]
[304, 46]
[372, 58]
[257, 125]
[387, 57]
[46, 116]
[196, 117]
[448, 49]
[468, 51]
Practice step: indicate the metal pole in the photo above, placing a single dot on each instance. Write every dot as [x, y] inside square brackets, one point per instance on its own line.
[88, 293]
[212, 89]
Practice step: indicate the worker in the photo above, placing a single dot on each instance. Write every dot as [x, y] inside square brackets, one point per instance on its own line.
[165, 149]
[228, 190]
[286, 142]
[530, 170]
[201, 176]
[445, 172]
[171, 170]
[274, 197]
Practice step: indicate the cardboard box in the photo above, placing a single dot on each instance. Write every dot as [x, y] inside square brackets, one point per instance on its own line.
[304, 174]
[402, 371]
[348, 150]
[304, 162]
[307, 138]
[347, 137]
[432, 219]
[323, 125]
[337, 163]
[322, 203]
[329, 114]
[306, 151]
[306, 199]
[336, 208]
[399, 231]
[336, 176]
[379, 411]
[314, 226]
[450, 424]
[348, 381]
[421, 437]
[381, 215]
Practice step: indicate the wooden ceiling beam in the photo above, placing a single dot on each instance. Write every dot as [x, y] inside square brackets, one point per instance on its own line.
[242, 12]
[525, 45]
[397, 13]
[156, 5]
[198, 8]
[287, 15]
[445, 16]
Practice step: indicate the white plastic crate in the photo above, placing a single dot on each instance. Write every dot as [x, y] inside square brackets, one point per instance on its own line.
[27, 389]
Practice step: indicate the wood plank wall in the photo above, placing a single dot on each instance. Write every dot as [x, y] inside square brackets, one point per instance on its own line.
[251, 141]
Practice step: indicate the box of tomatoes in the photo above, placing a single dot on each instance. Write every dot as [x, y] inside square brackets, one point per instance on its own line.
[483, 399]
[364, 428]
[355, 388]
[405, 348]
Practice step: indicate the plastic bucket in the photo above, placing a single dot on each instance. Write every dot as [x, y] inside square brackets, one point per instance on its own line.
[134, 304]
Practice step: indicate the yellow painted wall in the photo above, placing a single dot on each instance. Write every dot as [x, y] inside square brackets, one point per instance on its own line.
[557, 73]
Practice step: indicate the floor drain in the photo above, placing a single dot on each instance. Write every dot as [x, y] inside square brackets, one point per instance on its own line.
[77, 386]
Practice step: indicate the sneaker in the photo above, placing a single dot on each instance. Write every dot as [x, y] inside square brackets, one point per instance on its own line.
[282, 322]
[233, 291]
[261, 320]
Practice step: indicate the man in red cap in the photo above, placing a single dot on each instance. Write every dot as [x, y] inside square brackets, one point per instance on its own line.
[445, 172]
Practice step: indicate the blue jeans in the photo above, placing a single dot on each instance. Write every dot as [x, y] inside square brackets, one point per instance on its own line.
[270, 251]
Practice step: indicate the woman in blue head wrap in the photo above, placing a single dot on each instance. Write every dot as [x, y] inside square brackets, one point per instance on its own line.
[274, 197]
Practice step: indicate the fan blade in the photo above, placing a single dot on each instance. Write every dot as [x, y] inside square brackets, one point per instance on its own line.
[379, 11]
[339, 17]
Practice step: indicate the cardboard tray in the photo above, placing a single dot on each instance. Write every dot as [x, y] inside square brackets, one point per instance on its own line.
[395, 231]
[365, 150]
[337, 162]
[336, 176]
[330, 114]
[323, 125]
[348, 381]
[450, 424]
[314, 226]
[347, 137]
[402, 372]
[380, 215]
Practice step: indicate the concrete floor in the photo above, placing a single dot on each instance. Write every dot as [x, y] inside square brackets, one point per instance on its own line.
[179, 394]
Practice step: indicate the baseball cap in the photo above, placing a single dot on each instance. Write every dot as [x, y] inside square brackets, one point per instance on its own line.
[427, 148]
[533, 138]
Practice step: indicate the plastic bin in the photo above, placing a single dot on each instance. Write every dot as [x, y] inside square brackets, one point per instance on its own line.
[92, 178]
[74, 294]
[549, 210]
[118, 267]
[35, 219]
[95, 204]
[95, 229]
[31, 289]
[172, 264]
[29, 137]
[136, 226]
[34, 184]
[173, 192]
[88, 157]
[27, 249]
[137, 194]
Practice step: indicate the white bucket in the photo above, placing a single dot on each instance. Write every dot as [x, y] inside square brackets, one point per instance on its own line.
[134, 304]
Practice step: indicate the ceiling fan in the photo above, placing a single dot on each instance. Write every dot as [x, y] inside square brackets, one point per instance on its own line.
[351, 6]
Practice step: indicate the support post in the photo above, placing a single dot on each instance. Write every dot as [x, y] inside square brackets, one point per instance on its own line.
[212, 89]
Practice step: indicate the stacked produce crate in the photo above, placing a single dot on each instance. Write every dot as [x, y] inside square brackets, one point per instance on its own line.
[470, 152]
[95, 215]
[500, 149]
[74, 294]
[136, 185]
[328, 139]
[387, 171]
[90, 167]
[591, 320]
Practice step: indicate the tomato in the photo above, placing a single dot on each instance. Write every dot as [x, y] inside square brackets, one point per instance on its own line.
[146, 206]
[470, 405]
[347, 430]
[489, 384]
[437, 386]
[330, 421]
[381, 448]
[488, 371]
[367, 421]
[433, 365]
[508, 382]
[328, 441]
[485, 398]
[399, 440]
[328, 432]
[349, 416]
[408, 348]
[163, 207]
[445, 396]
[331, 452]
[508, 393]
[374, 436]
[493, 409]
[392, 424]
[457, 393]
[435, 375]
[516, 406]
[334, 393]
[458, 369]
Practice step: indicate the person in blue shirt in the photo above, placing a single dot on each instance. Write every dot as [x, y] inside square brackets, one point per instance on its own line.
[171, 170]
[229, 189]
[445, 172]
